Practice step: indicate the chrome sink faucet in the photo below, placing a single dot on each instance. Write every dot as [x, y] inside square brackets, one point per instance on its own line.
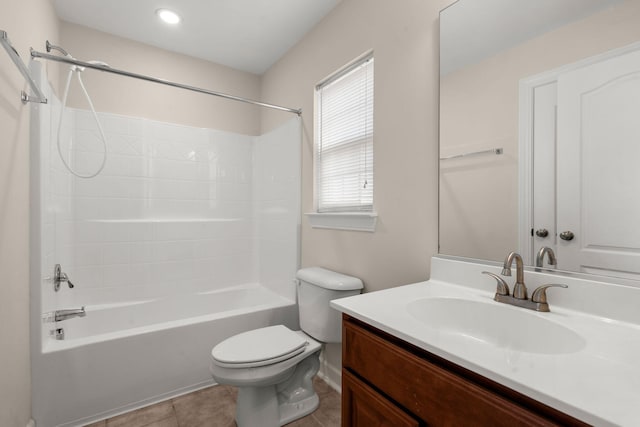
[538, 301]
[546, 250]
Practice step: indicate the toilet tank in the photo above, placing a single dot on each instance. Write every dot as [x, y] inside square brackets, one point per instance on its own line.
[316, 288]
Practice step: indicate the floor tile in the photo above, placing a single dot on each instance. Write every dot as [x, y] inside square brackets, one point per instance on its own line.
[321, 387]
[329, 412]
[212, 406]
[143, 417]
[215, 407]
[307, 421]
[172, 421]
[233, 391]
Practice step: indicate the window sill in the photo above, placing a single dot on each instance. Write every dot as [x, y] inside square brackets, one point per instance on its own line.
[354, 221]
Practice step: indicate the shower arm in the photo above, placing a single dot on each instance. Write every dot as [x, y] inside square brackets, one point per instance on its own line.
[72, 61]
[51, 47]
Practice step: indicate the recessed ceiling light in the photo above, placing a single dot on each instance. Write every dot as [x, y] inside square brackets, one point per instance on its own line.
[168, 16]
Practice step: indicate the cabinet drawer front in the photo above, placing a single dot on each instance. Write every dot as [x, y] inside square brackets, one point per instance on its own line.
[428, 391]
[364, 407]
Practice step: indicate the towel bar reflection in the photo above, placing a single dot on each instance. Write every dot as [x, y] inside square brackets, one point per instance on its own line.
[496, 151]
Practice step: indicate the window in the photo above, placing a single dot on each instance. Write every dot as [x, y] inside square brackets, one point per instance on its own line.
[344, 140]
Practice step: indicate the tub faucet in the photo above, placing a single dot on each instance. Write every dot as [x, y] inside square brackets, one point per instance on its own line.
[68, 314]
[519, 289]
[541, 253]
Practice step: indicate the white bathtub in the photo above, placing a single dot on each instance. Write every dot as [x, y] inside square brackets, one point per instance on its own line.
[124, 356]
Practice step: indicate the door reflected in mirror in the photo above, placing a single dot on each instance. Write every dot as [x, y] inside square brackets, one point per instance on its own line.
[539, 131]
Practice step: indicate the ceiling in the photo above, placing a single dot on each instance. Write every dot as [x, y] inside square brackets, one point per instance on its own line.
[471, 30]
[248, 35]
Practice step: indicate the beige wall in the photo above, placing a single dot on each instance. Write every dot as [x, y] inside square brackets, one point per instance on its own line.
[28, 23]
[122, 95]
[404, 38]
[479, 197]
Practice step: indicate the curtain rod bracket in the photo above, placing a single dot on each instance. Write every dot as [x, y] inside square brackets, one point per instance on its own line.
[15, 57]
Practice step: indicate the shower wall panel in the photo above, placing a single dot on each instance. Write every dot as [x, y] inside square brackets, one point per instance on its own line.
[171, 212]
[276, 187]
[176, 211]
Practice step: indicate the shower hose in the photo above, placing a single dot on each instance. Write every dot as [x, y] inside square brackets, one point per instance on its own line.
[77, 70]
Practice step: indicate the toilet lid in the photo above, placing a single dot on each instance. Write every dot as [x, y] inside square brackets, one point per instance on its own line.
[259, 347]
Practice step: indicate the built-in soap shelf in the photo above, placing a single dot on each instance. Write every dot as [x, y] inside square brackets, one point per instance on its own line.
[161, 220]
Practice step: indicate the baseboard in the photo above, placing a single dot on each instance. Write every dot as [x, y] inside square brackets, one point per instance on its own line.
[330, 374]
[31, 423]
[138, 405]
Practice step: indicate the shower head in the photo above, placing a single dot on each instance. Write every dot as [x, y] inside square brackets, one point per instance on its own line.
[51, 47]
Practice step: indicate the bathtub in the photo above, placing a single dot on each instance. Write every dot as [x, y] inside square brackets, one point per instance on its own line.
[127, 355]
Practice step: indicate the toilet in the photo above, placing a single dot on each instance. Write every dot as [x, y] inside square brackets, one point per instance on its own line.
[273, 367]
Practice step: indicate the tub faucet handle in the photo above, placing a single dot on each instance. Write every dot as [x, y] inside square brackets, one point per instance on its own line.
[59, 277]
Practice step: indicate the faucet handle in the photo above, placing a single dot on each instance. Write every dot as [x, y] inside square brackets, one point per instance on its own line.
[65, 278]
[503, 288]
[540, 294]
[59, 277]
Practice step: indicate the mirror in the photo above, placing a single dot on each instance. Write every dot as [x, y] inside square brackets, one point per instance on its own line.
[539, 131]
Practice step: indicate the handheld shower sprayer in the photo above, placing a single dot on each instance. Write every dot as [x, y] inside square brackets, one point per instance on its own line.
[77, 70]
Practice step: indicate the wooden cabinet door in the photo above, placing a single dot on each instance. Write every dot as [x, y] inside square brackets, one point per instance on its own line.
[382, 378]
[364, 407]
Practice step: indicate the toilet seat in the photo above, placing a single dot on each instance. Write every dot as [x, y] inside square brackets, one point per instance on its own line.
[259, 347]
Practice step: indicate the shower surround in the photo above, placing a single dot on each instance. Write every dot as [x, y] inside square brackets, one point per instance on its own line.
[188, 236]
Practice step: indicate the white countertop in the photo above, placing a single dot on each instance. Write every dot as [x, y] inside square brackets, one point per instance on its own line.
[598, 384]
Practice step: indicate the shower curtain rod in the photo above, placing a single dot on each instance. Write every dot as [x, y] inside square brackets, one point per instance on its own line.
[108, 69]
[13, 54]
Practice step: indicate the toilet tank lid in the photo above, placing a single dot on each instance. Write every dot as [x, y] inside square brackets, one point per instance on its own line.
[329, 279]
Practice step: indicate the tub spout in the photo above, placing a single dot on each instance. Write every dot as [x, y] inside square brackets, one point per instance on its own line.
[68, 314]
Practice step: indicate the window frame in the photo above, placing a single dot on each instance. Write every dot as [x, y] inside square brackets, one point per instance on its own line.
[360, 217]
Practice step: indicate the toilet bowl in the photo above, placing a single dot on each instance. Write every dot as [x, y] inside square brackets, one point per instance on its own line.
[273, 367]
[276, 390]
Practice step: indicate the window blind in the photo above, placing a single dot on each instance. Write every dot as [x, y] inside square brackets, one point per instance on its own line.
[344, 142]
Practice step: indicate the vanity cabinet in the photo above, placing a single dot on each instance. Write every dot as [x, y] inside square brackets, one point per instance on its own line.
[389, 382]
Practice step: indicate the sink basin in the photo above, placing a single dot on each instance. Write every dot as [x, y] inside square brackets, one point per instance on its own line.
[496, 324]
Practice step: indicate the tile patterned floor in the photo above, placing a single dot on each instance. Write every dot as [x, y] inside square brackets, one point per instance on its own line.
[215, 407]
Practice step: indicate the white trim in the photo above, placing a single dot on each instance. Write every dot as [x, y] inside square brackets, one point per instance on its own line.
[354, 221]
[527, 87]
[330, 374]
[525, 169]
[330, 382]
[344, 69]
[130, 407]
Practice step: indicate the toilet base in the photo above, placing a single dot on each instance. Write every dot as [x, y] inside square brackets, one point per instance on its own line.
[279, 404]
[292, 411]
